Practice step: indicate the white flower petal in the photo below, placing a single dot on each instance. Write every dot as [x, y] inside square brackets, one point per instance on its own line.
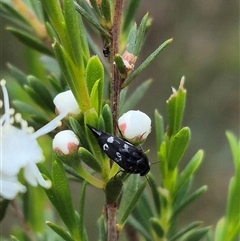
[10, 187]
[17, 149]
[34, 177]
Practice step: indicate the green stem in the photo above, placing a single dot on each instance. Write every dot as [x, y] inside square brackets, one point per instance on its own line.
[89, 178]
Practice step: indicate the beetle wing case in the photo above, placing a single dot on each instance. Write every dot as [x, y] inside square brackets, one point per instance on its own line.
[124, 153]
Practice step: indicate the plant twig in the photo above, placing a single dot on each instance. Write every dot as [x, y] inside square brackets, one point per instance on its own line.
[116, 80]
[114, 100]
[112, 221]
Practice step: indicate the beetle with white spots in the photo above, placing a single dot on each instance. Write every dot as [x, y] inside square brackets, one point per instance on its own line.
[126, 155]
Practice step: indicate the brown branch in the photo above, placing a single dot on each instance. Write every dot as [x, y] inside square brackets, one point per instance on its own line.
[116, 80]
[112, 222]
[114, 100]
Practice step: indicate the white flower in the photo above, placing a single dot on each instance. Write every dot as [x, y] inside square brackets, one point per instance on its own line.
[135, 126]
[20, 149]
[65, 142]
[65, 102]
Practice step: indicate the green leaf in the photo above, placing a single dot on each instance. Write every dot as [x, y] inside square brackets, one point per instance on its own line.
[235, 149]
[220, 228]
[74, 77]
[189, 170]
[113, 189]
[26, 108]
[145, 207]
[94, 97]
[155, 194]
[134, 222]
[130, 13]
[136, 96]
[94, 73]
[156, 226]
[54, 11]
[14, 15]
[34, 200]
[106, 10]
[178, 146]
[30, 41]
[233, 208]
[79, 131]
[42, 92]
[73, 33]
[140, 35]
[51, 32]
[185, 230]
[175, 109]
[55, 84]
[107, 116]
[84, 42]
[131, 40]
[92, 119]
[159, 126]
[13, 238]
[102, 229]
[81, 210]
[232, 222]
[143, 211]
[120, 66]
[62, 194]
[131, 194]
[181, 193]
[52, 66]
[145, 63]
[18, 74]
[60, 231]
[73, 172]
[90, 19]
[89, 159]
[195, 234]
[64, 61]
[189, 200]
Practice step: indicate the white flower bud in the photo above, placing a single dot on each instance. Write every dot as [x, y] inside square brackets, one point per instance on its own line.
[65, 143]
[65, 102]
[135, 126]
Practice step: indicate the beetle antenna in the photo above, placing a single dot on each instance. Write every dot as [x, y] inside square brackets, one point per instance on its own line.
[155, 163]
[148, 181]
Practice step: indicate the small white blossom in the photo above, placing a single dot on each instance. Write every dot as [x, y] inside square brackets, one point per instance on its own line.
[65, 142]
[20, 149]
[65, 102]
[135, 126]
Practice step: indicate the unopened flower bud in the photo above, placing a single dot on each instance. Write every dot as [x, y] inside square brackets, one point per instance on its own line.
[65, 102]
[65, 143]
[135, 126]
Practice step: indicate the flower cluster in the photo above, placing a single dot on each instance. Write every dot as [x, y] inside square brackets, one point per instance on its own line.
[20, 150]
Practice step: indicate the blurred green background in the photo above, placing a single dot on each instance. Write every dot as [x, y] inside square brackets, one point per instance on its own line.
[206, 51]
